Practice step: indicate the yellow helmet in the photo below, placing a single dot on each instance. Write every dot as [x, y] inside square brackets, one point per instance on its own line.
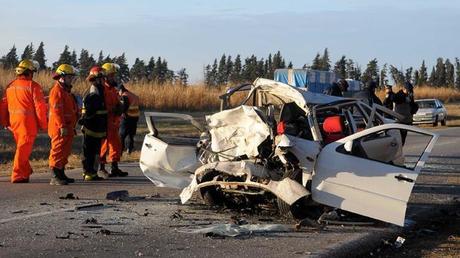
[110, 68]
[25, 65]
[64, 69]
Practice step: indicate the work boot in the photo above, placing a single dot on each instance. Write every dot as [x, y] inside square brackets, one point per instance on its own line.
[56, 177]
[115, 171]
[91, 177]
[67, 179]
[102, 172]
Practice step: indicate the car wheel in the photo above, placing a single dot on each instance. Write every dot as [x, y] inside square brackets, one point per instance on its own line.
[435, 123]
[444, 121]
[211, 195]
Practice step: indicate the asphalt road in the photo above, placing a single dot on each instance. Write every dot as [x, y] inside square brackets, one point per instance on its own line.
[35, 222]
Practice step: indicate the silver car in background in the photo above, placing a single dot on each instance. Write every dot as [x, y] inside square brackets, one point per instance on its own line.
[430, 111]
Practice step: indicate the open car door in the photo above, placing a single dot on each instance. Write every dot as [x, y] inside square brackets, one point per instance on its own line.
[169, 159]
[372, 173]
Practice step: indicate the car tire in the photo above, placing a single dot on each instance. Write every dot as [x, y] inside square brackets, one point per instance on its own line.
[444, 122]
[211, 195]
[435, 123]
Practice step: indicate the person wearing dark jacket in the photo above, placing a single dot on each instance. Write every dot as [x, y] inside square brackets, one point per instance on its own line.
[129, 118]
[337, 88]
[388, 102]
[94, 123]
[404, 105]
[373, 99]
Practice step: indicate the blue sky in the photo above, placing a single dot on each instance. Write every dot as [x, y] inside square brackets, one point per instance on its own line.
[192, 33]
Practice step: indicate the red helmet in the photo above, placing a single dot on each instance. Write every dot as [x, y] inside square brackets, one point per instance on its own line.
[95, 72]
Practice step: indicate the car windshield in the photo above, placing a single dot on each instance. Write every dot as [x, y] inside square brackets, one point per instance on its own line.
[426, 104]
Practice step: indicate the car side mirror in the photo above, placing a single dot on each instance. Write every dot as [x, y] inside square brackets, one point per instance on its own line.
[348, 146]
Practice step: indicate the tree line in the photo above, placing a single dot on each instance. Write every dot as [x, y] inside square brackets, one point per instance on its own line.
[155, 70]
[445, 73]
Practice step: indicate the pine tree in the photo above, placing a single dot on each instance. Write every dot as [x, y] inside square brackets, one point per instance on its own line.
[158, 72]
[371, 73]
[222, 71]
[40, 56]
[340, 67]
[290, 65]
[417, 78]
[278, 61]
[408, 74]
[235, 76]
[138, 70]
[73, 59]
[384, 75]
[207, 75]
[397, 75]
[28, 52]
[213, 74]
[150, 70]
[325, 61]
[269, 66]
[440, 73]
[100, 59]
[457, 73]
[450, 73]
[11, 59]
[86, 61]
[260, 69]
[169, 74]
[423, 74]
[124, 68]
[64, 58]
[182, 77]
[228, 68]
[316, 62]
[433, 79]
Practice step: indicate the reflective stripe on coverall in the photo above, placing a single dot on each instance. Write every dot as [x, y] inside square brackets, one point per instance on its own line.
[27, 112]
[111, 146]
[63, 112]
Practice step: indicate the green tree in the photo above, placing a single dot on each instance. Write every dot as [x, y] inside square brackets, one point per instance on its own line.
[432, 79]
[86, 61]
[222, 71]
[316, 65]
[450, 73]
[11, 59]
[278, 61]
[235, 76]
[28, 52]
[384, 75]
[100, 58]
[124, 68]
[64, 58]
[397, 75]
[150, 70]
[340, 67]
[440, 73]
[213, 74]
[408, 74]
[137, 71]
[416, 78]
[325, 62]
[423, 74]
[290, 65]
[228, 68]
[74, 59]
[182, 77]
[40, 56]
[371, 72]
[457, 73]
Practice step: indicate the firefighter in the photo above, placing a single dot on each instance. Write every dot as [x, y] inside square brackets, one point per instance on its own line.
[24, 112]
[63, 116]
[94, 123]
[129, 118]
[111, 147]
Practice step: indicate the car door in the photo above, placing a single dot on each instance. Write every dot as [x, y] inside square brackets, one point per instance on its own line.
[367, 181]
[170, 160]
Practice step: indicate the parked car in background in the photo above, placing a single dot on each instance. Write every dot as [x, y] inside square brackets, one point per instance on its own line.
[430, 111]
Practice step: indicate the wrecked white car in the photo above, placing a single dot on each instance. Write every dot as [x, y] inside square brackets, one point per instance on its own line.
[298, 149]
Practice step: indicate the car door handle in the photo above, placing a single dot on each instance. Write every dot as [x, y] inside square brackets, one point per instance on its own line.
[148, 145]
[403, 178]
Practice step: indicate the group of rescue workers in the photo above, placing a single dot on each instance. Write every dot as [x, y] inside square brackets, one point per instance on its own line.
[108, 115]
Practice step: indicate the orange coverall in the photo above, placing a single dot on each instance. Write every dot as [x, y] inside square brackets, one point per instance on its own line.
[27, 113]
[63, 114]
[111, 145]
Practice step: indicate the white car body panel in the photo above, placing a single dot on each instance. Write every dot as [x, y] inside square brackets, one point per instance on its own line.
[364, 186]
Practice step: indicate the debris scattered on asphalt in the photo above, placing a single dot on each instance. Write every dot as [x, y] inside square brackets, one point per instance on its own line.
[176, 215]
[233, 230]
[66, 236]
[238, 221]
[19, 211]
[306, 222]
[138, 253]
[86, 206]
[91, 221]
[399, 242]
[121, 195]
[91, 226]
[69, 196]
[104, 232]
[44, 203]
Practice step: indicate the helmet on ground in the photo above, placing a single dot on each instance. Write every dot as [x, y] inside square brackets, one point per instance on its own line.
[95, 72]
[110, 68]
[64, 69]
[27, 65]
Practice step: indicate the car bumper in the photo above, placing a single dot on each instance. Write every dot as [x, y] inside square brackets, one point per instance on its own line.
[424, 120]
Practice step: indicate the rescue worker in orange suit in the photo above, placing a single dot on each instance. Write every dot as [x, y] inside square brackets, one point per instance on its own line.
[129, 118]
[94, 123]
[23, 111]
[63, 116]
[111, 146]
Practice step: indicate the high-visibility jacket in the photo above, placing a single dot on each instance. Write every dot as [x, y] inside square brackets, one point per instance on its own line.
[26, 106]
[114, 108]
[133, 104]
[94, 113]
[63, 111]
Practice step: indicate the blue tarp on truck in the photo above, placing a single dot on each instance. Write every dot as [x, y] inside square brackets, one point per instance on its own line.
[313, 80]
